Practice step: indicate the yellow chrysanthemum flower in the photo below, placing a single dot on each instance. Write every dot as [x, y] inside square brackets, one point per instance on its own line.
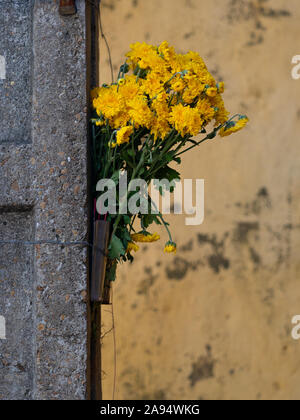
[131, 88]
[109, 102]
[123, 135]
[221, 113]
[221, 87]
[160, 128]
[140, 112]
[186, 120]
[121, 82]
[95, 93]
[178, 85]
[212, 92]
[131, 246]
[167, 52]
[170, 248]
[205, 109]
[166, 90]
[234, 126]
[143, 238]
[138, 51]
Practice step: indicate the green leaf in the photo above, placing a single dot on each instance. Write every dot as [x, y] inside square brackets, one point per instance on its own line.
[127, 219]
[127, 155]
[115, 176]
[124, 68]
[116, 248]
[111, 273]
[167, 173]
[168, 157]
[148, 219]
[213, 134]
[131, 152]
[126, 236]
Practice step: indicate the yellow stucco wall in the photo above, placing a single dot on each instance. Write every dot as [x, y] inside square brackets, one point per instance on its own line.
[214, 322]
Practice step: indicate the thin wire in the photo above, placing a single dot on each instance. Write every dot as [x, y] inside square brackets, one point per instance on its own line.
[106, 43]
[44, 242]
[98, 8]
[115, 342]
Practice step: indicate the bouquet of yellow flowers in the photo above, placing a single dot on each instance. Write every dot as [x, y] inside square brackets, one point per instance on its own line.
[146, 121]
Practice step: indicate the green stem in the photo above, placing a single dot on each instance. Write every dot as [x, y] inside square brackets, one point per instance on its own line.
[168, 146]
[191, 147]
[132, 222]
[208, 137]
[114, 159]
[133, 151]
[116, 224]
[134, 173]
[162, 219]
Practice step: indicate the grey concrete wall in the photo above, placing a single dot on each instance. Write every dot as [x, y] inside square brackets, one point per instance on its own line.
[43, 184]
[16, 93]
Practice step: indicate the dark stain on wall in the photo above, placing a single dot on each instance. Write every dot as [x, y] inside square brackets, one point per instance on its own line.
[190, 4]
[255, 257]
[180, 268]
[188, 247]
[257, 12]
[243, 229]
[109, 4]
[211, 250]
[261, 202]
[217, 260]
[268, 297]
[147, 282]
[216, 72]
[188, 35]
[203, 368]
[211, 240]
[136, 389]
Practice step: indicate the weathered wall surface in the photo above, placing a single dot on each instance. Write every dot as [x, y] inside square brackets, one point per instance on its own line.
[16, 96]
[43, 181]
[17, 290]
[214, 322]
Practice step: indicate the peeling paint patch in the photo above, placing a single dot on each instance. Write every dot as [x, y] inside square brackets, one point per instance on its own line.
[255, 257]
[187, 247]
[203, 368]
[217, 260]
[257, 12]
[188, 35]
[261, 202]
[180, 268]
[148, 282]
[243, 229]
